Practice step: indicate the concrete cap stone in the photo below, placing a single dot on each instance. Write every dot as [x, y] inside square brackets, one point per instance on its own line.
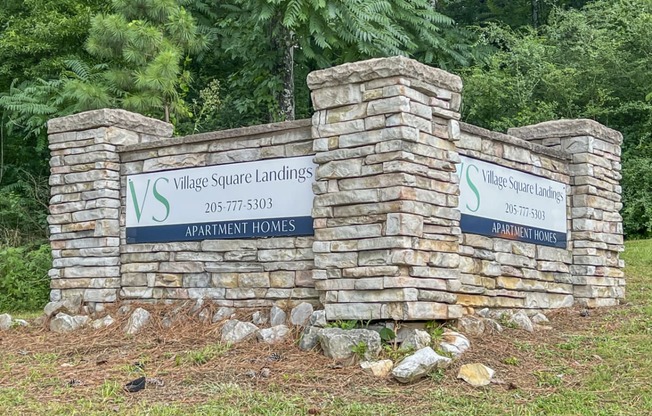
[567, 128]
[109, 117]
[396, 66]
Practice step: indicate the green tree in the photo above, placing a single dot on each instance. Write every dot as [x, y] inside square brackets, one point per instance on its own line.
[271, 39]
[591, 63]
[147, 44]
[514, 13]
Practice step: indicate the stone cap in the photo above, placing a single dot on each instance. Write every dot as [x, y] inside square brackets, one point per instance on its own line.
[272, 128]
[110, 117]
[567, 128]
[371, 69]
[512, 140]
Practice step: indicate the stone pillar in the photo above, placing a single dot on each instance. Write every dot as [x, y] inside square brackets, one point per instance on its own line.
[385, 212]
[596, 230]
[84, 218]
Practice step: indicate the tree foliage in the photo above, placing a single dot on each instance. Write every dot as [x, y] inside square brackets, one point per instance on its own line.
[590, 63]
[270, 37]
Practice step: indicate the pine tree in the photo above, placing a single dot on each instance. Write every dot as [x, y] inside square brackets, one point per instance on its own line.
[147, 44]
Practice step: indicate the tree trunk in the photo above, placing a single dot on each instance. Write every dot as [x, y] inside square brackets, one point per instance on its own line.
[167, 113]
[535, 13]
[287, 68]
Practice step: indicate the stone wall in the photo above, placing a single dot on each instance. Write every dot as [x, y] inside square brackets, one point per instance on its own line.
[503, 273]
[387, 242]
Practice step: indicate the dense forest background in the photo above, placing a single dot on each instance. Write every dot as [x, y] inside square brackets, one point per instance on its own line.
[206, 65]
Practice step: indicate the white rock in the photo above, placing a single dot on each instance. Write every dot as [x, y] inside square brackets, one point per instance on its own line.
[277, 316]
[235, 331]
[418, 365]
[454, 343]
[300, 314]
[318, 319]
[259, 318]
[223, 313]
[471, 325]
[380, 368]
[484, 312]
[539, 318]
[521, 320]
[477, 375]
[138, 319]
[417, 339]
[492, 326]
[309, 338]
[338, 343]
[21, 322]
[274, 334]
[102, 322]
[62, 322]
[5, 321]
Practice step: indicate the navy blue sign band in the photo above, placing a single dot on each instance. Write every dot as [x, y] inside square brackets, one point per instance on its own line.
[512, 231]
[266, 227]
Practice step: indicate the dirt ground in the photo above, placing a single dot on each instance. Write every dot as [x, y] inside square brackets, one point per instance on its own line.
[182, 360]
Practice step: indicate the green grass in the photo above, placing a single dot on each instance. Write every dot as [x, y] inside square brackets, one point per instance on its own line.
[602, 369]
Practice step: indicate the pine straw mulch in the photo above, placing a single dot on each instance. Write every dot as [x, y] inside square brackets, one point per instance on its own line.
[41, 363]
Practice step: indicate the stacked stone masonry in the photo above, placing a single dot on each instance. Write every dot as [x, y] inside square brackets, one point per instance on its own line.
[387, 244]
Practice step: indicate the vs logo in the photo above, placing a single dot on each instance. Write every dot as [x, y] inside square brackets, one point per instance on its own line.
[139, 204]
[465, 176]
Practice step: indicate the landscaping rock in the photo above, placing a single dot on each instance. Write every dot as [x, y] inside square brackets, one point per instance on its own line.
[418, 365]
[277, 316]
[102, 322]
[21, 322]
[124, 310]
[137, 321]
[454, 343]
[259, 318]
[338, 343]
[417, 339]
[309, 338]
[274, 334]
[521, 320]
[477, 375]
[318, 319]
[483, 313]
[235, 331]
[300, 314]
[471, 325]
[5, 321]
[70, 306]
[539, 318]
[491, 326]
[204, 316]
[197, 306]
[223, 313]
[63, 323]
[380, 368]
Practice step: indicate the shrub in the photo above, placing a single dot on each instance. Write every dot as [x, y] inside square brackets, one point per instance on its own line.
[24, 281]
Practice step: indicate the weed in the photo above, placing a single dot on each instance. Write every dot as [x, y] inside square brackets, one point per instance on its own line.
[437, 375]
[548, 379]
[351, 324]
[436, 330]
[201, 356]
[110, 390]
[359, 350]
[387, 335]
[397, 354]
[512, 361]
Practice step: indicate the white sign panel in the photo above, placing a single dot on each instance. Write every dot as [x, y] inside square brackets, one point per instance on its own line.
[252, 199]
[507, 203]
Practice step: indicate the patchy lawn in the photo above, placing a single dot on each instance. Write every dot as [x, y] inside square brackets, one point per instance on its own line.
[600, 364]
